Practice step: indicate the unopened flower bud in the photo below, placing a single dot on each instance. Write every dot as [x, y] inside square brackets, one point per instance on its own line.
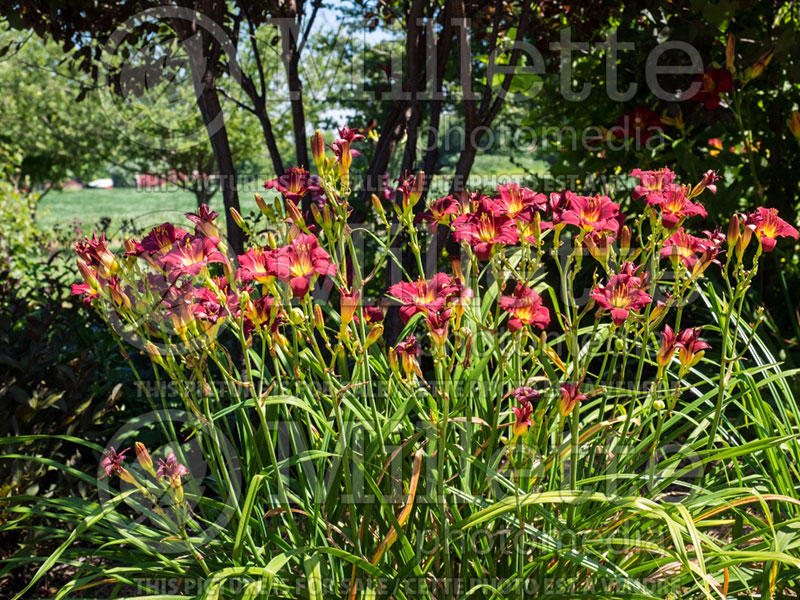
[374, 335]
[624, 241]
[318, 149]
[757, 69]
[733, 231]
[143, 456]
[294, 213]
[376, 204]
[319, 319]
[730, 52]
[296, 316]
[237, 217]
[262, 205]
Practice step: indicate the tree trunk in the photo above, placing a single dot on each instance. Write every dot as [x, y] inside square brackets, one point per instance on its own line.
[210, 108]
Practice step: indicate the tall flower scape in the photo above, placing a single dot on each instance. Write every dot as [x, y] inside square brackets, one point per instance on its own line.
[564, 406]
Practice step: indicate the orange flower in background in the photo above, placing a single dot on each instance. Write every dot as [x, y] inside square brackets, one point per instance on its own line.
[716, 146]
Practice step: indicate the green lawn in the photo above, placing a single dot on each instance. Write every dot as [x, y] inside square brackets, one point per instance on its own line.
[142, 208]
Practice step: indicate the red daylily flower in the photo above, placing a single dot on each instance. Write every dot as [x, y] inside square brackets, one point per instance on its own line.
[524, 412]
[421, 295]
[254, 264]
[294, 184]
[622, 294]
[690, 347]
[570, 396]
[192, 255]
[438, 323]
[596, 213]
[675, 205]
[440, 211]
[203, 221]
[517, 202]
[300, 262]
[525, 308]
[639, 124]
[262, 314]
[768, 227]
[483, 229]
[712, 83]
[409, 350]
[684, 246]
[161, 239]
[373, 314]
[112, 462]
[95, 252]
[667, 347]
[171, 467]
[651, 181]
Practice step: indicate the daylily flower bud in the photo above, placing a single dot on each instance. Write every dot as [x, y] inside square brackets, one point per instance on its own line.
[349, 303]
[318, 149]
[755, 71]
[794, 124]
[143, 456]
[624, 241]
[319, 319]
[730, 52]
[262, 205]
[393, 362]
[296, 316]
[327, 217]
[237, 217]
[744, 241]
[294, 213]
[317, 215]
[374, 335]
[376, 204]
[733, 231]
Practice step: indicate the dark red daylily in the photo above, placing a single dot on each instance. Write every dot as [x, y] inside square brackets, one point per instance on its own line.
[203, 221]
[597, 213]
[651, 181]
[112, 463]
[639, 124]
[192, 255]
[524, 412]
[712, 83]
[621, 295]
[262, 314]
[438, 323]
[300, 262]
[421, 295]
[483, 230]
[768, 227]
[294, 184]
[162, 238]
[95, 253]
[675, 205]
[525, 308]
[91, 286]
[171, 468]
